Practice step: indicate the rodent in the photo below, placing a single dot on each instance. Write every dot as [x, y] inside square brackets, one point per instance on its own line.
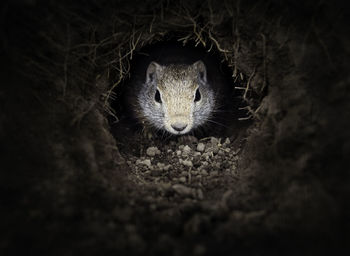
[176, 98]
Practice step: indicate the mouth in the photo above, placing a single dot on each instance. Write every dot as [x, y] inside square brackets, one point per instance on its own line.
[173, 131]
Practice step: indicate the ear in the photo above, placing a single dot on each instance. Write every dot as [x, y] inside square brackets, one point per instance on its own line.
[201, 70]
[153, 72]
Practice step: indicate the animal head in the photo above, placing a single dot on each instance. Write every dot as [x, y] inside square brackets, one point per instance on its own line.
[176, 98]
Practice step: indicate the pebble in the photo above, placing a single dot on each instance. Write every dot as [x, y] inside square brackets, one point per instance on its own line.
[197, 154]
[215, 149]
[152, 151]
[182, 190]
[214, 141]
[146, 162]
[182, 179]
[167, 167]
[200, 147]
[165, 186]
[204, 173]
[187, 163]
[187, 149]
[221, 152]
[160, 166]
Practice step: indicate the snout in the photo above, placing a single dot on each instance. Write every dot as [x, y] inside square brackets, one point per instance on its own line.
[178, 125]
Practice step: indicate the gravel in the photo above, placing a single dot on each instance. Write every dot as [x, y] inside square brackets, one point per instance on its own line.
[200, 147]
[152, 151]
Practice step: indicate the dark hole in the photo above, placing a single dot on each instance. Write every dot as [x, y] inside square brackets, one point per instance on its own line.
[224, 121]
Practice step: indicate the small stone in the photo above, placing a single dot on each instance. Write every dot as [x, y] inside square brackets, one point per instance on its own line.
[197, 154]
[167, 167]
[200, 147]
[165, 186]
[207, 154]
[221, 152]
[215, 149]
[182, 179]
[187, 149]
[227, 141]
[182, 190]
[181, 147]
[178, 152]
[187, 163]
[214, 141]
[204, 172]
[146, 162]
[160, 166]
[152, 151]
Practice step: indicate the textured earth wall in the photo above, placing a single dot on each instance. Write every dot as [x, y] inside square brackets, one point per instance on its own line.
[73, 182]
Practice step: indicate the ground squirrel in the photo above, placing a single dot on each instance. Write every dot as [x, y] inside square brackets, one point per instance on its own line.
[176, 98]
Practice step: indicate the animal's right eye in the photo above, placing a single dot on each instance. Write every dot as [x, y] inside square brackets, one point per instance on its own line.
[157, 97]
[198, 96]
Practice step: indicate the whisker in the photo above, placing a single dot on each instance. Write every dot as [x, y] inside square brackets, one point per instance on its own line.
[214, 122]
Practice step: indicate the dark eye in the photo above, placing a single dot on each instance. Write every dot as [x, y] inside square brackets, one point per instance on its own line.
[198, 96]
[157, 97]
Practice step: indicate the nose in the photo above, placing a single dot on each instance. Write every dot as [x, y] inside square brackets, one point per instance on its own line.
[179, 126]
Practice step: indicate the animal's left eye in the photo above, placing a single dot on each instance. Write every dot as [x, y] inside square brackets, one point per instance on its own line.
[157, 97]
[197, 96]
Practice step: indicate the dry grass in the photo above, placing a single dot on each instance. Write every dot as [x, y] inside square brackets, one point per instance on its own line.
[102, 49]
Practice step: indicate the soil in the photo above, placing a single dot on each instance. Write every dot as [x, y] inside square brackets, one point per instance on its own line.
[74, 181]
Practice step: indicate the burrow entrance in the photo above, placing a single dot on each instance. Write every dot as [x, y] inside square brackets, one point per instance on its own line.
[197, 167]
[229, 120]
[77, 182]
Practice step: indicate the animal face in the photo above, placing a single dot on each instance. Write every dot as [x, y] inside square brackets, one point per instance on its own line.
[176, 98]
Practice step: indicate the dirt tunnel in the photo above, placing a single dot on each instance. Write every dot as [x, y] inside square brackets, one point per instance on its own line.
[81, 175]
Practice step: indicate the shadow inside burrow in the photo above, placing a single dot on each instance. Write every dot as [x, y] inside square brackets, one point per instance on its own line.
[229, 119]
